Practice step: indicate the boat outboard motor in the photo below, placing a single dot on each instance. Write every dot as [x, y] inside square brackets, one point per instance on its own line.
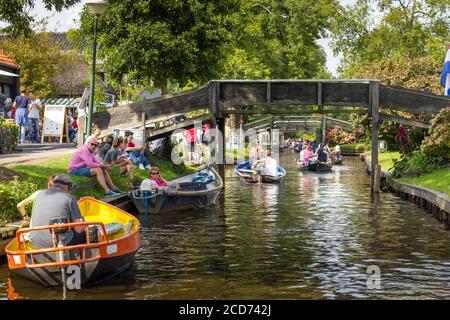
[59, 237]
[93, 234]
[58, 232]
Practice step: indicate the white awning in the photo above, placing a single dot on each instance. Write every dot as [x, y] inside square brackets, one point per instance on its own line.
[8, 74]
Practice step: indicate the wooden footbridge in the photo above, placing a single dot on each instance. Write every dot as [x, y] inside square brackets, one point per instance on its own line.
[299, 123]
[281, 97]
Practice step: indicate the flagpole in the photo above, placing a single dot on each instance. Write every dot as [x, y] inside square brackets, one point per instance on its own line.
[445, 75]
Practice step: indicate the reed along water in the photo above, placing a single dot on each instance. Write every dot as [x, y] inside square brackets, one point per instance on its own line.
[315, 236]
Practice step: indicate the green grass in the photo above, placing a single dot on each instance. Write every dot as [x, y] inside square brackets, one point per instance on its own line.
[385, 159]
[39, 173]
[437, 180]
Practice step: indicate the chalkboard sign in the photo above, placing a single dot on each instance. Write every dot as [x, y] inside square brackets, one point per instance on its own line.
[54, 122]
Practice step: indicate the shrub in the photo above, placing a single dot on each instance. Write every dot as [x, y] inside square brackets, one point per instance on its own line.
[9, 137]
[437, 144]
[310, 136]
[11, 194]
[337, 136]
[363, 124]
[387, 132]
[417, 135]
[356, 135]
[414, 164]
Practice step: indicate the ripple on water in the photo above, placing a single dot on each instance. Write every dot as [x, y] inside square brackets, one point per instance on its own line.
[312, 237]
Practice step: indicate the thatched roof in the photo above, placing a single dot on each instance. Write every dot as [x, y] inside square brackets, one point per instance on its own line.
[71, 81]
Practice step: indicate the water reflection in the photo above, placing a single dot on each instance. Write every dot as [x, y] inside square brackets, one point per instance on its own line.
[312, 237]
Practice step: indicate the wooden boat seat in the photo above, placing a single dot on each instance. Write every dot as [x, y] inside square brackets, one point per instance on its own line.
[113, 227]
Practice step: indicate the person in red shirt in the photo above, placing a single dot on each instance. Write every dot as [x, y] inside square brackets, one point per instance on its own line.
[73, 128]
[136, 154]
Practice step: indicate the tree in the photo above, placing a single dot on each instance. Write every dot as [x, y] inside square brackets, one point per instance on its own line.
[16, 14]
[277, 39]
[162, 40]
[420, 73]
[40, 61]
[402, 43]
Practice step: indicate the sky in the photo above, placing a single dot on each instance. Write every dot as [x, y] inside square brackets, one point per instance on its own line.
[63, 21]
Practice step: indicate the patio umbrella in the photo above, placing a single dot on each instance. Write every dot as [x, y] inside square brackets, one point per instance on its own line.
[445, 76]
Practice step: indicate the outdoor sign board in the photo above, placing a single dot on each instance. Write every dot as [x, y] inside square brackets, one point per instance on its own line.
[54, 122]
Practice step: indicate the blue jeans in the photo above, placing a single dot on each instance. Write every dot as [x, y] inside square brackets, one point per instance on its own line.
[82, 172]
[34, 135]
[138, 157]
[22, 122]
[72, 134]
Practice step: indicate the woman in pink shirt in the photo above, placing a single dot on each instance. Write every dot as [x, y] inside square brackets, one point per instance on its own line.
[308, 154]
[156, 176]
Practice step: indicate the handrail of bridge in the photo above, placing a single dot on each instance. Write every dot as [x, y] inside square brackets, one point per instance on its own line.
[299, 120]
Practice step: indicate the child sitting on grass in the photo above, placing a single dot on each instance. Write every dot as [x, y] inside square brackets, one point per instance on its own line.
[114, 157]
[136, 154]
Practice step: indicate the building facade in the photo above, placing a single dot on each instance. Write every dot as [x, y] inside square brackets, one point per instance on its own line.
[9, 76]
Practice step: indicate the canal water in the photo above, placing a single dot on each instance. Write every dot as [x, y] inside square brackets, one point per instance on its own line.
[315, 236]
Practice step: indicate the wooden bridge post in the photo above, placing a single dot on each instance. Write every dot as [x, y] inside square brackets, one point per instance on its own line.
[319, 97]
[271, 130]
[217, 122]
[374, 101]
[221, 143]
[81, 121]
[324, 129]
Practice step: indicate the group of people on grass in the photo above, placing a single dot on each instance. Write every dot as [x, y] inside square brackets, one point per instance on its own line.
[95, 159]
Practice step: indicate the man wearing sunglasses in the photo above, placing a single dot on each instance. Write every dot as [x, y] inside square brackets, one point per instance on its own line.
[85, 164]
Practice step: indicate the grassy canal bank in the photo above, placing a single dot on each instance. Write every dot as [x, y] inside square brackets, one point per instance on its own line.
[19, 181]
[437, 180]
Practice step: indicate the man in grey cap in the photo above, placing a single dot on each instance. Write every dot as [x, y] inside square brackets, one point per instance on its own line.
[56, 202]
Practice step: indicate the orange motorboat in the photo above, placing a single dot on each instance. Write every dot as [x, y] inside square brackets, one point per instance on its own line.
[112, 239]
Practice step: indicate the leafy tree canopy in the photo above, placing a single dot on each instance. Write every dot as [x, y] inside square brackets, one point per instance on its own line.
[40, 61]
[17, 14]
[277, 39]
[400, 42]
[162, 40]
